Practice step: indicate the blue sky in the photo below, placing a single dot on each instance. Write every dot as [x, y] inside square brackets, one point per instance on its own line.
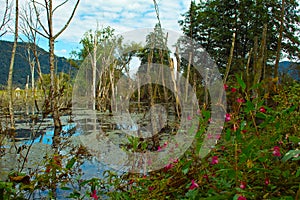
[122, 15]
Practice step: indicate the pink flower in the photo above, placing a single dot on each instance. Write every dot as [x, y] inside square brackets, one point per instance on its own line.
[227, 117]
[168, 166]
[233, 89]
[276, 148]
[276, 151]
[225, 87]
[198, 112]
[267, 181]
[243, 185]
[159, 148]
[218, 136]
[234, 127]
[150, 188]
[242, 198]
[240, 100]
[205, 176]
[165, 144]
[189, 117]
[94, 195]
[262, 109]
[131, 182]
[209, 136]
[193, 185]
[214, 160]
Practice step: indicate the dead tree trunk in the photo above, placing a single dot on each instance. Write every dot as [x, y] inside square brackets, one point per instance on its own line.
[188, 76]
[229, 59]
[11, 68]
[279, 40]
[49, 34]
[260, 61]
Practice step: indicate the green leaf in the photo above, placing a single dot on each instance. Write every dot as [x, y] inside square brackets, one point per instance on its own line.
[294, 139]
[65, 188]
[255, 86]
[191, 194]
[206, 114]
[71, 163]
[85, 182]
[290, 155]
[260, 115]
[249, 106]
[297, 158]
[298, 172]
[186, 167]
[228, 135]
[243, 124]
[241, 82]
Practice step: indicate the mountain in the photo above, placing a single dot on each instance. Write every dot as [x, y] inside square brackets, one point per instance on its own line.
[21, 65]
[290, 68]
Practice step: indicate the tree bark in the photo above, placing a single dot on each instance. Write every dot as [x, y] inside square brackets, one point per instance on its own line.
[53, 88]
[49, 34]
[279, 40]
[94, 70]
[11, 68]
[188, 76]
[229, 59]
[260, 61]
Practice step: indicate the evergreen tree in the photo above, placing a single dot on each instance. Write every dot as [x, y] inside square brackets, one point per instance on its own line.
[156, 41]
[212, 24]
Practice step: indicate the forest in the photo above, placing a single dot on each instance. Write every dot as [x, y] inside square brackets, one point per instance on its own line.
[211, 112]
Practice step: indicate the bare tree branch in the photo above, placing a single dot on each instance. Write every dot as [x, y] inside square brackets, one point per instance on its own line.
[11, 68]
[6, 17]
[59, 5]
[48, 29]
[46, 35]
[68, 22]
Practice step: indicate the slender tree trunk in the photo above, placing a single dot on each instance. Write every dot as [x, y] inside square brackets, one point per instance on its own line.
[188, 76]
[94, 70]
[49, 34]
[206, 89]
[155, 138]
[111, 78]
[175, 88]
[26, 96]
[229, 59]
[139, 94]
[247, 70]
[175, 80]
[11, 68]
[260, 60]
[32, 66]
[279, 40]
[53, 88]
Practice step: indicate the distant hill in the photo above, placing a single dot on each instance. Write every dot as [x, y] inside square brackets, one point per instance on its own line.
[21, 66]
[290, 68]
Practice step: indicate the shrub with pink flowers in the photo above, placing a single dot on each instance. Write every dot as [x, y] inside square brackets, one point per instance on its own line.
[256, 157]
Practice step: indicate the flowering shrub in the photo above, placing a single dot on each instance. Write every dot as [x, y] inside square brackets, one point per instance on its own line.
[256, 157]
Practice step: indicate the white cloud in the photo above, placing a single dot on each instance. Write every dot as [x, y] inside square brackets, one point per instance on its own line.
[122, 15]
[61, 51]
